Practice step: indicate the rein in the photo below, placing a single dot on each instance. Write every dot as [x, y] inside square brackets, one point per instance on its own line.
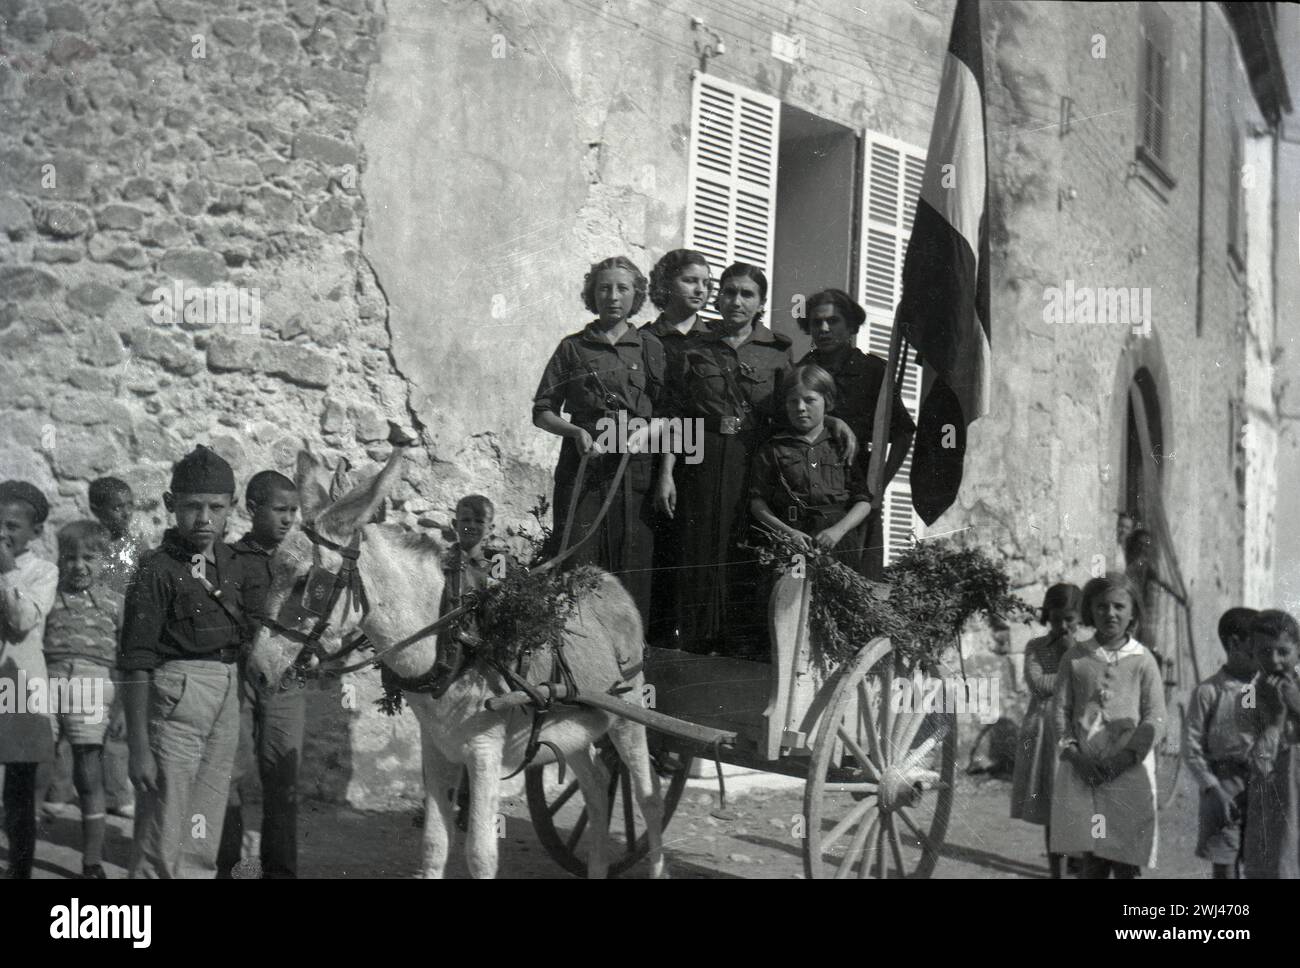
[348, 576]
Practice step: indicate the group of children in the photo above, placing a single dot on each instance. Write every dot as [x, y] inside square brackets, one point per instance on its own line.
[1085, 764]
[162, 633]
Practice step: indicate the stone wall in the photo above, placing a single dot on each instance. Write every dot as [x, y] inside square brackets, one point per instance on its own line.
[147, 145]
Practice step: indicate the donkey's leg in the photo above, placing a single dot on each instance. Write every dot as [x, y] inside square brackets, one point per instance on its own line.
[484, 766]
[629, 739]
[593, 780]
[440, 775]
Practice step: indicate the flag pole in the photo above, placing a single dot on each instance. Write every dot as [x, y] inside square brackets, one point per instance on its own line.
[883, 421]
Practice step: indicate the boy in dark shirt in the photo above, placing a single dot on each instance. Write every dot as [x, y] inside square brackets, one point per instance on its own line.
[271, 727]
[179, 657]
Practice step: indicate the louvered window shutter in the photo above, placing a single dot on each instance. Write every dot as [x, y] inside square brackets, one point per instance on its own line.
[731, 188]
[892, 175]
[1153, 118]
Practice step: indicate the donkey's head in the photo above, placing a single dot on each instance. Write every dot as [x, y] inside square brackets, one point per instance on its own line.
[330, 576]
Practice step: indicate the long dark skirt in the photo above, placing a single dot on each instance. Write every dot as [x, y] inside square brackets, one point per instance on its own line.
[662, 629]
[720, 601]
[624, 542]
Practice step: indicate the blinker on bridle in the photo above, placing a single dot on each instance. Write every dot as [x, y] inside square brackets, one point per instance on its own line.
[309, 599]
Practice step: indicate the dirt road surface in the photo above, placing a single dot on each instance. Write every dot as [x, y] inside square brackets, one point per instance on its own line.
[754, 839]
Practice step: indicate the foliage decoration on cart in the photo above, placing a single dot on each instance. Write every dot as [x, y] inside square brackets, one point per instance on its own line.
[928, 595]
[521, 613]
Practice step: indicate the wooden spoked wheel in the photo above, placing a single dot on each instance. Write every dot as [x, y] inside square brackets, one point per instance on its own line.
[559, 813]
[880, 784]
[1169, 758]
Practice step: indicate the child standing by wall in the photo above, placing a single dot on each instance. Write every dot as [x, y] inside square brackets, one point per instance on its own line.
[1273, 794]
[1031, 784]
[181, 639]
[81, 649]
[113, 505]
[1218, 733]
[27, 589]
[270, 726]
[1110, 713]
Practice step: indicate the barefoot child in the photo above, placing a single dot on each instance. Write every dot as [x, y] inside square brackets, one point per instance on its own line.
[801, 473]
[27, 588]
[1216, 743]
[1273, 796]
[1110, 713]
[81, 649]
[1031, 785]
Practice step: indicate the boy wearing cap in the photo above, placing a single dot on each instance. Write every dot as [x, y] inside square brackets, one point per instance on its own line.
[27, 588]
[271, 726]
[179, 656]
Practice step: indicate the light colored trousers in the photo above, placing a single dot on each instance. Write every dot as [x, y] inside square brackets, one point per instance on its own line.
[193, 732]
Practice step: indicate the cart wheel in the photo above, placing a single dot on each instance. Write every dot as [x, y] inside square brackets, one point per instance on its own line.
[880, 784]
[560, 816]
[1169, 758]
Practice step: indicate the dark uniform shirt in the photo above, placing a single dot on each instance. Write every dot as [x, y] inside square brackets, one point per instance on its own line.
[744, 384]
[794, 476]
[675, 341]
[171, 615]
[84, 625]
[588, 376]
[255, 563]
[857, 377]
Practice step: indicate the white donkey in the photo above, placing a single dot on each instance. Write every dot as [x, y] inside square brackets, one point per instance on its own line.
[398, 591]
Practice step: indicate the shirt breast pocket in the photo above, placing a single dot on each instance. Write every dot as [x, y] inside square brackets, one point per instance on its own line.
[200, 622]
[704, 382]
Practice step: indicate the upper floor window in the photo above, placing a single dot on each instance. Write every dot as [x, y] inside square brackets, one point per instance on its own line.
[1154, 95]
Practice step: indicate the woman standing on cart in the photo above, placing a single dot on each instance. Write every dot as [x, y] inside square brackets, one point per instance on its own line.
[833, 320]
[680, 284]
[607, 369]
[730, 380]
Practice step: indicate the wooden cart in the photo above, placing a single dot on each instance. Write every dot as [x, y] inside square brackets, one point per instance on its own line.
[879, 774]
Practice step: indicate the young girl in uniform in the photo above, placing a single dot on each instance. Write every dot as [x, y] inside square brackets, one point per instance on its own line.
[1031, 784]
[800, 483]
[1110, 713]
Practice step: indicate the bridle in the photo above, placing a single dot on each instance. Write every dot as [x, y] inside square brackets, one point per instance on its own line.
[346, 579]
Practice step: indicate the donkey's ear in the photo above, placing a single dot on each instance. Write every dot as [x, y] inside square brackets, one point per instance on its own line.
[356, 509]
[312, 496]
[341, 482]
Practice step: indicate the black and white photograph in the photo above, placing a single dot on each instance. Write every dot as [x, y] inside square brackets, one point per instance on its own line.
[689, 439]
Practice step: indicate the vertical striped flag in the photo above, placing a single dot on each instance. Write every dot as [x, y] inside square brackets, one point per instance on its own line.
[944, 309]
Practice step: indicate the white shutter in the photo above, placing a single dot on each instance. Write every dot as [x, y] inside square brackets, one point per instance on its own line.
[731, 186]
[891, 182]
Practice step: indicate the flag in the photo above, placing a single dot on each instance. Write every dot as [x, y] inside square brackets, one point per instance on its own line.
[944, 309]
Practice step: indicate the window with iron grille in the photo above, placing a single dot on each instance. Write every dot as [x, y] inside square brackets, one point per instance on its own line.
[1154, 96]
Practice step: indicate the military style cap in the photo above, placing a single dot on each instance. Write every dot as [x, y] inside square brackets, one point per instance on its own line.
[202, 471]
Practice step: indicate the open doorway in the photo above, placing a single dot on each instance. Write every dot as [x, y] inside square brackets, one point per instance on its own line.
[814, 245]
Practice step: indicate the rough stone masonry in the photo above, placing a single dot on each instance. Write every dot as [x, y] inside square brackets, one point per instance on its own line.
[150, 145]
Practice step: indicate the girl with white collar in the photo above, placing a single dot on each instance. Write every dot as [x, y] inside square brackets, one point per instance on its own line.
[1110, 713]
